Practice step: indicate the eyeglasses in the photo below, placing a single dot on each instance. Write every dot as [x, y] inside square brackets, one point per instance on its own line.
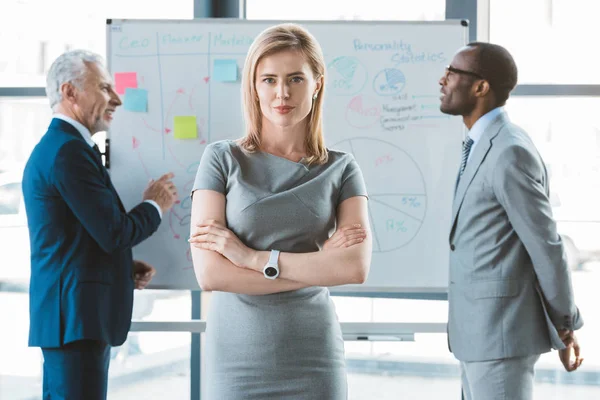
[450, 68]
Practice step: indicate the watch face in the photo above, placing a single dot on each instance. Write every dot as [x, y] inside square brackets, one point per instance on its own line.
[270, 271]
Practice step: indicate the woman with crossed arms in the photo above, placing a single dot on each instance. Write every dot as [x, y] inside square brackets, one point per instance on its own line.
[262, 211]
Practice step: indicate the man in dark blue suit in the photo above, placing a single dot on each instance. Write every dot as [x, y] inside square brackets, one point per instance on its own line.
[82, 270]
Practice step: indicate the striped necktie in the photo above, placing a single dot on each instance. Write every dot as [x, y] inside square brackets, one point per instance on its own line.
[465, 154]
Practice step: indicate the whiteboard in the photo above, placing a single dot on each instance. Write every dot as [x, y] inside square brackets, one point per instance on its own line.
[381, 104]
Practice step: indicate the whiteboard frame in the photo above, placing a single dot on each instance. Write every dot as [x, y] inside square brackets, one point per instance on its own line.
[437, 292]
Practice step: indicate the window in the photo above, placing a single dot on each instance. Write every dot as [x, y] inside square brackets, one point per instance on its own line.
[419, 369]
[149, 365]
[154, 365]
[23, 121]
[401, 10]
[552, 41]
[20, 366]
[404, 370]
[43, 58]
[566, 131]
[149, 370]
[63, 24]
[10, 196]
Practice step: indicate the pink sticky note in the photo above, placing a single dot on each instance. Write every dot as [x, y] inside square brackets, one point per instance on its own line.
[124, 80]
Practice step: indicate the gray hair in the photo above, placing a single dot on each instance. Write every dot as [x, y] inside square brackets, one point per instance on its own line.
[69, 67]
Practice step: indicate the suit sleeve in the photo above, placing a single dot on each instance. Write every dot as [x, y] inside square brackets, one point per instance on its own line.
[521, 188]
[79, 180]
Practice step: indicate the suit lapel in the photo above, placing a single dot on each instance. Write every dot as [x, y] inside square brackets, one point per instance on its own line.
[64, 126]
[481, 150]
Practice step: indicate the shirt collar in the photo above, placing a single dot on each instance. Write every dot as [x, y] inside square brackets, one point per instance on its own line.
[83, 131]
[482, 124]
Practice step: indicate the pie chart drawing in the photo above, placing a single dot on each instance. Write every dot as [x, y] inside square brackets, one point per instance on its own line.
[389, 82]
[362, 112]
[347, 75]
[396, 188]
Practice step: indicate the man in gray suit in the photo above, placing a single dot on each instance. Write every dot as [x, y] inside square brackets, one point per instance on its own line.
[510, 293]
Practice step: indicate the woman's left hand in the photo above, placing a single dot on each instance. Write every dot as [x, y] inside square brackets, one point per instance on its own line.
[213, 235]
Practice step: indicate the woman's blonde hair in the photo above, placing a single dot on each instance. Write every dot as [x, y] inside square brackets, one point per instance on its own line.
[272, 40]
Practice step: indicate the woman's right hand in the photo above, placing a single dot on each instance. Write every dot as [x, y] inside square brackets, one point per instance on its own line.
[214, 235]
[346, 236]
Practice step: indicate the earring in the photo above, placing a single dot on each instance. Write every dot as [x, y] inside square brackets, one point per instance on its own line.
[315, 96]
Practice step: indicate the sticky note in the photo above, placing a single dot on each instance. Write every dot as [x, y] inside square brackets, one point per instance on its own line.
[136, 100]
[225, 71]
[124, 80]
[185, 127]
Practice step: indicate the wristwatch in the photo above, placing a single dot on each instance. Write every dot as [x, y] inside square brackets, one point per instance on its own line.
[271, 269]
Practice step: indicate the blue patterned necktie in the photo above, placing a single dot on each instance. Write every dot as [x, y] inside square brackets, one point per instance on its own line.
[465, 155]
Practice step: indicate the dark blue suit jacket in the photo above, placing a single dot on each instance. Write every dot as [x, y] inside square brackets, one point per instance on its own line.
[81, 238]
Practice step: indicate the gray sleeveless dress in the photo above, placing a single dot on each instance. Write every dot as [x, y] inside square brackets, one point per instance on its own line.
[286, 345]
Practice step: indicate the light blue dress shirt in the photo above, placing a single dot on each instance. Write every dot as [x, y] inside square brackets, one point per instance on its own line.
[481, 125]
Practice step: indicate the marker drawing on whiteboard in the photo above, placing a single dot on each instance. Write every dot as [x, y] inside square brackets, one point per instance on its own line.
[168, 115]
[383, 159]
[193, 168]
[347, 75]
[191, 97]
[188, 186]
[188, 255]
[429, 126]
[389, 81]
[175, 234]
[397, 208]
[176, 215]
[144, 165]
[186, 204]
[150, 127]
[174, 156]
[362, 112]
[425, 96]
[201, 131]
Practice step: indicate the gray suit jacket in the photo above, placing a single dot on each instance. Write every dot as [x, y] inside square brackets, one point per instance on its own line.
[510, 288]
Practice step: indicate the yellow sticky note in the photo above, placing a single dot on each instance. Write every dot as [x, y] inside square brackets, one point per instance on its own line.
[185, 127]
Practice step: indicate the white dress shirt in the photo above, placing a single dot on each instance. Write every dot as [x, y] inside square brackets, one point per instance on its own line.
[87, 136]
